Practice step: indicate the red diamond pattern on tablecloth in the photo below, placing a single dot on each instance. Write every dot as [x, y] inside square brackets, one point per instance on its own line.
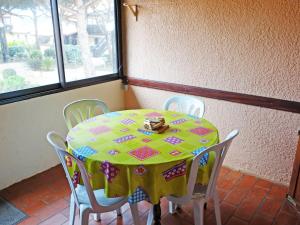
[175, 152]
[143, 153]
[146, 140]
[153, 114]
[201, 131]
[100, 129]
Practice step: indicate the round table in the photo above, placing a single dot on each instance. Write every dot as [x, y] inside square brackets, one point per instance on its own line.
[125, 160]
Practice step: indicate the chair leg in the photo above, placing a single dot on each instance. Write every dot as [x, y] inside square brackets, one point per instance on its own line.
[134, 213]
[119, 212]
[178, 206]
[198, 212]
[97, 216]
[172, 207]
[84, 216]
[217, 208]
[72, 210]
[150, 216]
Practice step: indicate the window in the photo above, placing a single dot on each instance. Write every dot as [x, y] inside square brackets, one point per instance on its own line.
[53, 45]
[89, 36]
[28, 58]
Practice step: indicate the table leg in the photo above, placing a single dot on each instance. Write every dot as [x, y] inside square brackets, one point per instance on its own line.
[156, 214]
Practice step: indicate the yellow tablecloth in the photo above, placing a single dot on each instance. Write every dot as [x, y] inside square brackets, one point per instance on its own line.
[125, 160]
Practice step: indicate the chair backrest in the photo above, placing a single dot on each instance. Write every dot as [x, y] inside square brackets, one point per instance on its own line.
[185, 104]
[76, 112]
[220, 151]
[58, 143]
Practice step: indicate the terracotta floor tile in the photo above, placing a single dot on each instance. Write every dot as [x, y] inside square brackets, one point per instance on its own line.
[236, 221]
[244, 200]
[270, 207]
[263, 183]
[234, 175]
[30, 199]
[18, 189]
[288, 208]
[257, 192]
[211, 220]
[278, 191]
[164, 205]
[178, 219]
[188, 208]
[16, 201]
[224, 171]
[143, 206]
[222, 194]
[125, 219]
[30, 221]
[227, 210]
[34, 208]
[248, 207]
[108, 217]
[51, 209]
[286, 219]
[52, 197]
[226, 185]
[42, 189]
[261, 220]
[236, 196]
[66, 212]
[143, 219]
[57, 219]
[246, 182]
[4, 193]
[77, 222]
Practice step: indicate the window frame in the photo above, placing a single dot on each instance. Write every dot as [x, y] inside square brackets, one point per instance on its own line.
[62, 86]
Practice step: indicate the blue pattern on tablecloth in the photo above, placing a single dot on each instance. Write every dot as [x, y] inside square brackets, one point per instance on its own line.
[145, 132]
[137, 196]
[83, 152]
[204, 159]
[112, 114]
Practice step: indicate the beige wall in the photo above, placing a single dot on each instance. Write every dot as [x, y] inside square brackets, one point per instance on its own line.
[267, 141]
[242, 46]
[24, 150]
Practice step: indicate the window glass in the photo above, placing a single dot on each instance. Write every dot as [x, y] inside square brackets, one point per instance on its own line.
[27, 52]
[88, 37]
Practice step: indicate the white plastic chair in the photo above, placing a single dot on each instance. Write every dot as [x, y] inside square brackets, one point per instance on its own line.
[77, 111]
[82, 196]
[201, 194]
[185, 104]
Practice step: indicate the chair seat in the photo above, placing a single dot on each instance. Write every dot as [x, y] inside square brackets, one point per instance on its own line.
[198, 192]
[100, 197]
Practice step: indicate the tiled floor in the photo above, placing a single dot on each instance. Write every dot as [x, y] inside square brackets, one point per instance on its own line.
[245, 200]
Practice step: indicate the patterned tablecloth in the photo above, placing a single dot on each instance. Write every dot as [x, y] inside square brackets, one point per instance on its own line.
[126, 160]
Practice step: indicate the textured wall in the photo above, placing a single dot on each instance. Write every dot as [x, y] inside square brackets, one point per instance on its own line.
[24, 125]
[267, 142]
[249, 47]
[236, 45]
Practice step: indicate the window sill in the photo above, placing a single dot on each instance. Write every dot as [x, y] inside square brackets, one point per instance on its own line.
[21, 95]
